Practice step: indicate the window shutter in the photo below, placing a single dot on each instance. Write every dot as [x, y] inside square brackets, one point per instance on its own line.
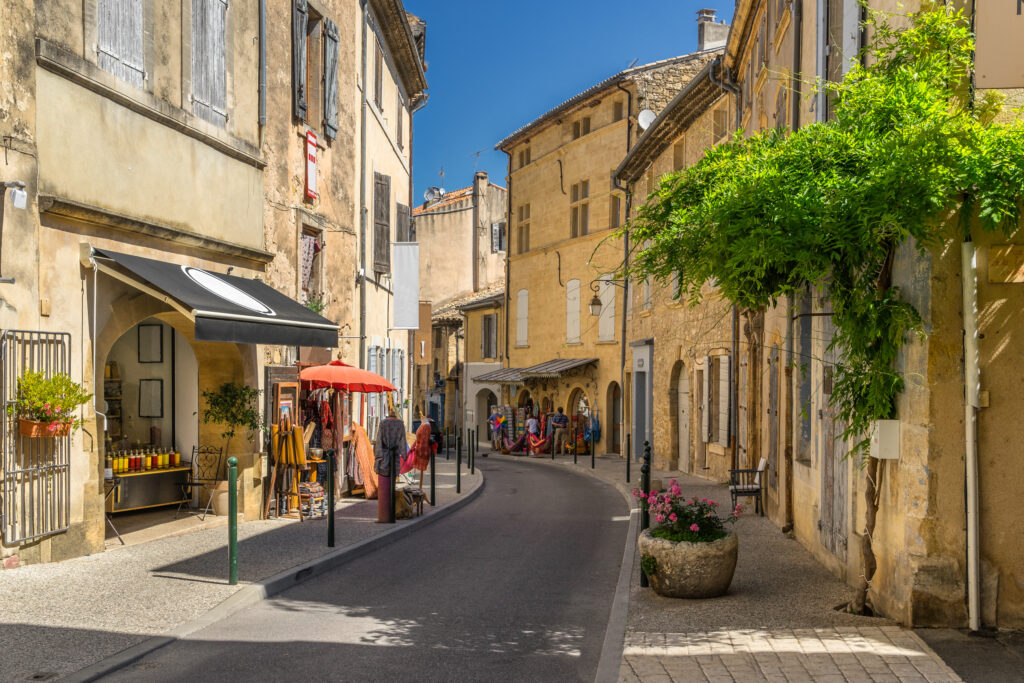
[496, 237]
[209, 60]
[331, 41]
[381, 223]
[724, 382]
[522, 317]
[572, 312]
[705, 416]
[403, 224]
[300, 16]
[606, 321]
[372, 365]
[119, 29]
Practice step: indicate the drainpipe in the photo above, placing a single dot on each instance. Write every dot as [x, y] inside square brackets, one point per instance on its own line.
[362, 200]
[262, 117]
[798, 34]
[734, 395]
[508, 248]
[789, 413]
[628, 192]
[415, 105]
[475, 242]
[972, 380]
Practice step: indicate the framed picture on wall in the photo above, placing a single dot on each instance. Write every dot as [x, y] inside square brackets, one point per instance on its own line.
[151, 398]
[151, 343]
[286, 402]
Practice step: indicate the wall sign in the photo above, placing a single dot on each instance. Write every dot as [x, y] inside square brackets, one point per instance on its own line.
[311, 165]
[999, 50]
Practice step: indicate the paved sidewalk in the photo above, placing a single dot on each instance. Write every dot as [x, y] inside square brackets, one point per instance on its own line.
[58, 618]
[777, 622]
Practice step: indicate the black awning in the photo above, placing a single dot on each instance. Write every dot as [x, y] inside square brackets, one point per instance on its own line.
[225, 308]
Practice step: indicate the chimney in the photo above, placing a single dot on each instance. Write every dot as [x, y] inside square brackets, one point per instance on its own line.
[711, 34]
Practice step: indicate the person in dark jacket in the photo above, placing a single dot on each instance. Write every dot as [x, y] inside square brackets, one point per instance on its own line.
[391, 446]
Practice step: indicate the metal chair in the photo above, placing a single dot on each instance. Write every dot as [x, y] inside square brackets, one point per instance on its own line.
[747, 483]
[204, 473]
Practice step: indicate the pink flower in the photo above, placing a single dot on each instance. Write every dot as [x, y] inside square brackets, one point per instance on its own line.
[703, 500]
[712, 503]
[659, 518]
[694, 527]
[672, 517]
[737, 511]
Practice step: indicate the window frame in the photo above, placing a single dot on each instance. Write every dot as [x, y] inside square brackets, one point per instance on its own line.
[579, 209]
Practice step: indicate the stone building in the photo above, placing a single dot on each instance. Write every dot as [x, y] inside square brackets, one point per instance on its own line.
[161, 150]
[564, 207]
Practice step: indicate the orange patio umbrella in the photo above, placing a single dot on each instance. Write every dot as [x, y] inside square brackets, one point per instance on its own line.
[345, 377]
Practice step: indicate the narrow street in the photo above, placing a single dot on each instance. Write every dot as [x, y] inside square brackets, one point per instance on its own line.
[515, 586]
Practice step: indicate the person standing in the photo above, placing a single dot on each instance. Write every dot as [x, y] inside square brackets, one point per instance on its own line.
[561, 423]
[391, 447]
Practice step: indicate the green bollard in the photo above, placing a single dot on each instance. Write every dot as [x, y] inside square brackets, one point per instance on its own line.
[233, 521]
[458, 462]
[330, 500]
[472, 451]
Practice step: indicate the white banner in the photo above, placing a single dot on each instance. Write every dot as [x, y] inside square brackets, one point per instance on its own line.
[405, 269]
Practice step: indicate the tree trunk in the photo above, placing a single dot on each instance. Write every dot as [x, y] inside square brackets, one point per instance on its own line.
[867, 552]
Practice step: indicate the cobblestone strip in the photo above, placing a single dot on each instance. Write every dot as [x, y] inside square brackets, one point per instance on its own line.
[855, 654]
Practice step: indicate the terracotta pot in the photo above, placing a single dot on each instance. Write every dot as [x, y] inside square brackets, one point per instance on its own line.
[36, 430]
[690, 570]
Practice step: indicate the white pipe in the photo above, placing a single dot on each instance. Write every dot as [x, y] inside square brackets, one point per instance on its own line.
[972, 380]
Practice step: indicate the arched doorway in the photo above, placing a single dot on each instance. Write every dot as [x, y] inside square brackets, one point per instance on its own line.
[486, 402]
[614, 421]
[578, 410]
[524, 409]
[679, 401]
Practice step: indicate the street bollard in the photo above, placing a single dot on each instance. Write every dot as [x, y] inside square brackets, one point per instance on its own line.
[447, 444]
[458, 463]
[472, 451]
[233, 521]
[629, 454]
[645, 487]
[592, 453]
[433, 477]
[330, 500]
[575, 448]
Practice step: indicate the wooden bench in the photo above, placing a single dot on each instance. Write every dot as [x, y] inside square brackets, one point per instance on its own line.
[747, 483]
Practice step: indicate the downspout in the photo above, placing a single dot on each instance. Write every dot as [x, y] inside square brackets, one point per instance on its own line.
[262, 117]
[972, 380]
[734, 395]
[788, 450]
[627, 190]
[473, 263]
[508, 248]
[798, 36]
[414, 106]
[362, 202]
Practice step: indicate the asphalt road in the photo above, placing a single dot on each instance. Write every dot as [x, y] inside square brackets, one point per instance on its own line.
[516, 586]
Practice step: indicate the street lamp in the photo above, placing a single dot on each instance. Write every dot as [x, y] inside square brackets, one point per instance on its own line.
[595, 301]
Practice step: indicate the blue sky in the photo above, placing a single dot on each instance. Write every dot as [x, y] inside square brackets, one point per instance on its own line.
[495, 66]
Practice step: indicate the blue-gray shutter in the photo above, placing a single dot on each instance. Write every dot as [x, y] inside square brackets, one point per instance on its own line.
[331, 41]
[209, 60]
[119, 35]
[300, 15]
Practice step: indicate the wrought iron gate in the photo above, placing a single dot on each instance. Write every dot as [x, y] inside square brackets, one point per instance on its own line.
[36, 485]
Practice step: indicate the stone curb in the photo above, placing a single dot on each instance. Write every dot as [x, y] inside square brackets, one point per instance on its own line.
[265, 588]
[610, 662]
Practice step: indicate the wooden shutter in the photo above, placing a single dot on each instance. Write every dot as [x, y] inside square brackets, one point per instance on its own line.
[300, 17]
[381, 223]
[522, 317]
[378, 77]
[403, 223]
[705, 422]
[331, 41]
[209, 60]
[119, 32]
[724, 384]
[606, 321]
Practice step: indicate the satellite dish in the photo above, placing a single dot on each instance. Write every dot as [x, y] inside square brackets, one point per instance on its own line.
[441, 192]
[645, 118]
[431, 194]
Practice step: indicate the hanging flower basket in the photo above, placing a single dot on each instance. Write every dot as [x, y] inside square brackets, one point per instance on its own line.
[36, 430]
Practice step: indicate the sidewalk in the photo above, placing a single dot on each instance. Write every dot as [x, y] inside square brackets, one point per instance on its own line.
[776, 623]
[58, 618]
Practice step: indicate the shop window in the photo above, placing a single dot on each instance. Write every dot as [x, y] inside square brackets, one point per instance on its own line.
[119, 34]
[209, 60]
[498, 237]
[580, 127]
[523, 229]
[579, 213]
[312, 269]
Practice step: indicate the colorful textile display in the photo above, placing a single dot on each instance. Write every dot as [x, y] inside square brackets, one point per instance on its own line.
[364, 456]
[422, 448]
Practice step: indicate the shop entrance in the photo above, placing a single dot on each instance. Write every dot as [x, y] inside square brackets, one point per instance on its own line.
[614, 425]
[579, 415]
[486, 402]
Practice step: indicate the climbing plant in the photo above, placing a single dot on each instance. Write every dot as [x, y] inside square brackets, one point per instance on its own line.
[909, 155]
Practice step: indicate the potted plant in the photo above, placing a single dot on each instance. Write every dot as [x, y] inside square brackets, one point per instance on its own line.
[46, 406]
[235, 406]
[690, 553]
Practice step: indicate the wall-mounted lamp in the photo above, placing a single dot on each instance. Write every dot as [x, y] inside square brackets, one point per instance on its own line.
[19, 198]
[595, 301]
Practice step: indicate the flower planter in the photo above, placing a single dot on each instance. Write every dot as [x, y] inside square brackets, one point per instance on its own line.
[36, 430]
[690, 570]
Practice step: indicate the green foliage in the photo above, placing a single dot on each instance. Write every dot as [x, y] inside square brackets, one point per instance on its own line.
[234, 406]
[51, 399]
[317, 302]
[826, 207]
[649, 565]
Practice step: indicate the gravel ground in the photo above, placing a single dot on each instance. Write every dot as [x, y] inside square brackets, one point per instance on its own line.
[63, 616]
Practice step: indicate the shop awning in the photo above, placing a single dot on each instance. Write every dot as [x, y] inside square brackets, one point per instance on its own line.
[225, 308]
[503, 376]
[555, 368]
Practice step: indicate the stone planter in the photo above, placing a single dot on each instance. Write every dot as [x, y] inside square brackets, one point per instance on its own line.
[690, 570]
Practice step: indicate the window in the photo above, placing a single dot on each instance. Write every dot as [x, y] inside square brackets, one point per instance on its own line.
[437, 338]
[314, 68]
[618, 110]
[489, 336]
[524, 156]
[572, 312]
[523, 229]
[802, 388]
[614, 210]
[381, 223]
[312, 268]
[522, 317]
[762, 40]
[647, 300]
[498, 237]
[606, 321]
[119, 29]
[378, 76]
[679, 154]
[315, 41]
[209, 60]
[780, 109]
[719, 125]
[580, 127]
[579, 213]
[399, 109]
[716, 379]
[404, 231]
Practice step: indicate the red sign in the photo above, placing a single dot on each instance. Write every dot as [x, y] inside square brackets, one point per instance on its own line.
[311, 165]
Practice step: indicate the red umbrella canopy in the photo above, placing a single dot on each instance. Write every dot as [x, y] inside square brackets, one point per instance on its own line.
[338, 375]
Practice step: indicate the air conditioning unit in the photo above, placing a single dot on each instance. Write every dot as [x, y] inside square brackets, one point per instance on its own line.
[885, 440]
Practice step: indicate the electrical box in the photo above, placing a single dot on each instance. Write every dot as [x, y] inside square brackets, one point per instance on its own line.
[885, 439]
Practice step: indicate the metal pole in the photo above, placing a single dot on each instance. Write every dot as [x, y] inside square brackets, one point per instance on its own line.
[592, 444]
[330, 500]
[575, 447]
[472, 451]
[447, 443]
[629, 454]
[233, 521]
[391, 486]
[433, 477]
[645, 487]
[458, 462]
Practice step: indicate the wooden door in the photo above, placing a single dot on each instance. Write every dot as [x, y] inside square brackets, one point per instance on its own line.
[833, 449]
[773, 417]
[700, 454]
[683, 416]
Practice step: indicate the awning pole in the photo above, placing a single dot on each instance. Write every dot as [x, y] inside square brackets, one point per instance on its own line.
[95, 326]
